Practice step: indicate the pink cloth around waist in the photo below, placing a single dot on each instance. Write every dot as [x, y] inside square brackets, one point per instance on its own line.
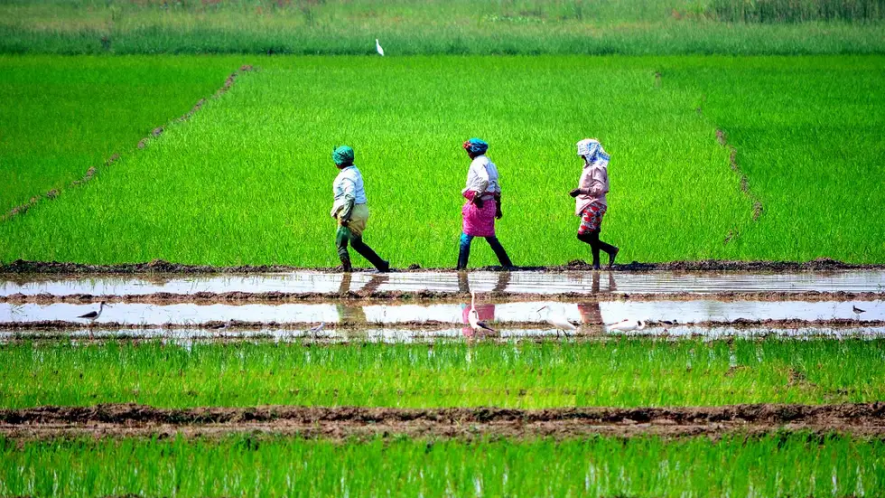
[479, 222]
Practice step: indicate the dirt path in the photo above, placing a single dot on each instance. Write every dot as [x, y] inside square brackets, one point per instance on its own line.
[345, 422]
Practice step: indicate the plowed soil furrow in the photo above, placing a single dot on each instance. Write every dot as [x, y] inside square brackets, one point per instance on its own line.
[344, 422]
[425, 296]
[160, 266]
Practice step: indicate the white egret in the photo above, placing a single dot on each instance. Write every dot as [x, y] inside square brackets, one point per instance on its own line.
[316, 330]
[378, 48]
[558, 320]
[627, 325]
[473, 317]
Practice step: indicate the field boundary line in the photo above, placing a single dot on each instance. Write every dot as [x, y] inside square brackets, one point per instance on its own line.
[758, 209]
[344, 422]
[156, 132]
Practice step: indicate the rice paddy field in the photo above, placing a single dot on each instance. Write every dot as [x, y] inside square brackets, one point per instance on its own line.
[172, 321]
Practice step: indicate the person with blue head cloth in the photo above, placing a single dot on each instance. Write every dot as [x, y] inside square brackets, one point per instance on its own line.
[350, 209]
[483, 205]
[590, 200]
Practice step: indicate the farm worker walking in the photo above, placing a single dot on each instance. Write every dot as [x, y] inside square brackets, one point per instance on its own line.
[483, 206]
[350, 209]
[590, 202]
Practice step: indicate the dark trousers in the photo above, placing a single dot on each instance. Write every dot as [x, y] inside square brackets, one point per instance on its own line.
[464, 251]
[345, 236]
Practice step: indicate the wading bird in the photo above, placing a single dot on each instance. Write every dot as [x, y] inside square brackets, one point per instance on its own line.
[558, 320]
[92, 316]
[627, 325]
[224, 326]
[378, 48]
[857, 310]
[473, 317]
[316, 330]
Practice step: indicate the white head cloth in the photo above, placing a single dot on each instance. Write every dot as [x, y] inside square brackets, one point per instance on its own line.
[591, 149]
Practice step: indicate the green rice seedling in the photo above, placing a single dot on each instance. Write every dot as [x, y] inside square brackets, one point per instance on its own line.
[619, 373]
[61, 116]
[247, 181]
[524, 27]
[771, 465]
[809, 141]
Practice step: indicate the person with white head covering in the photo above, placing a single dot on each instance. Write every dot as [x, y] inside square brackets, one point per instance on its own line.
[590, 200]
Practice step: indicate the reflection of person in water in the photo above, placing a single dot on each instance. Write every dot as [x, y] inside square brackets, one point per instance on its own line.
[591, 314]
[486, 312]
[351, 314]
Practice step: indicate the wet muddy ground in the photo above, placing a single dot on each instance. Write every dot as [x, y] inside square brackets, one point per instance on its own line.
[438, 284]
[346, 422]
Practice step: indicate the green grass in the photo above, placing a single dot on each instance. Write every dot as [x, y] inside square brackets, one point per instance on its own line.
[809, 139]
[413, 27]
[622, 373]
[60, 116]
[247, 181]
[775, 465]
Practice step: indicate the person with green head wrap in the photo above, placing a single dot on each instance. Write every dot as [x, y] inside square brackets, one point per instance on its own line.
[350, 209]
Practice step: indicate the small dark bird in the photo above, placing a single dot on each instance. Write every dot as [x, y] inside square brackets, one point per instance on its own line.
[669, 322]
[223, 326]
[93, 315]
[858, 310]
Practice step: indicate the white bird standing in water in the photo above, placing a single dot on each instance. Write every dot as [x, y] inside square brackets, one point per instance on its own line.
[316, 330]
[378, 48]
[627, 325]
[558, 320]
[473, 317]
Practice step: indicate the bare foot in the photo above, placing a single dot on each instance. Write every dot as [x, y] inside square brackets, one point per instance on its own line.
[611, 258]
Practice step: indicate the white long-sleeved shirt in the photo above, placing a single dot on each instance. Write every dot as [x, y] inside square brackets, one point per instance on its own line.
[348, 184]
[482, 177]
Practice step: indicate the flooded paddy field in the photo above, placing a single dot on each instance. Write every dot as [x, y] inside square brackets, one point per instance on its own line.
[724, 366]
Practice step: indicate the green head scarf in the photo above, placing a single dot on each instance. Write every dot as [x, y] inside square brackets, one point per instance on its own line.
[343, 155]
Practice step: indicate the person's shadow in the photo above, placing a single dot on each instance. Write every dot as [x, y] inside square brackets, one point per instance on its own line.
[591, 314]
[355, 315]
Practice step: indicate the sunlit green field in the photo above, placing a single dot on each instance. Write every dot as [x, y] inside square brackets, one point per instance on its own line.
[775, 465]
[623, 373]
[248, 180]
[422, 27]
[61, 116]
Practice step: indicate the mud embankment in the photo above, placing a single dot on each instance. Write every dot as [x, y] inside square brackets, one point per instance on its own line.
[345, 422]
[159, 266]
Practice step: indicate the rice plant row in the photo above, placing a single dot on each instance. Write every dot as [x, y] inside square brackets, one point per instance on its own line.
[621, 373]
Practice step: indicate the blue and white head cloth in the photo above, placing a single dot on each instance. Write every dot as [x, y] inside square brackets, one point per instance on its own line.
[476, 146]
[591, 149]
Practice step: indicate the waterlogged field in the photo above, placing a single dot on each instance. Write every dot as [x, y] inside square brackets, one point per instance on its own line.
[620, 373]
[247, 180]
[61, 116]
[776, 465]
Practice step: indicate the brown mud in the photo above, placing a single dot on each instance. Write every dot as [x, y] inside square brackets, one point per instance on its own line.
[436, 297]
[429, 325]
[347, 422]
[160, 266]
[92, 171]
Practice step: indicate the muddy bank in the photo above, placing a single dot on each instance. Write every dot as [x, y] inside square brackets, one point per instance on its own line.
[343, 422]
[426, 297]
[430, 325]
[160, 266]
